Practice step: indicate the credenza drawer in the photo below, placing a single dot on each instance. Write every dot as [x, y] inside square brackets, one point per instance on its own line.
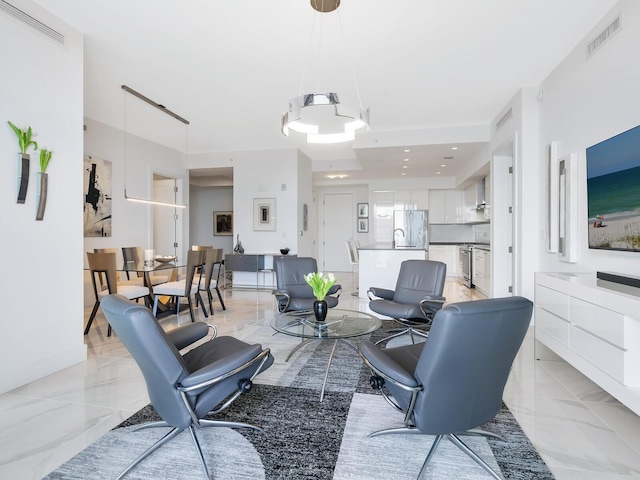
[602, 355]
[553, 326]
[553, 301]
[601, 322]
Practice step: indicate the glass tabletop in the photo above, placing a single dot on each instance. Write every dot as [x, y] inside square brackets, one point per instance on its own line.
[142, 266]
[338, 324]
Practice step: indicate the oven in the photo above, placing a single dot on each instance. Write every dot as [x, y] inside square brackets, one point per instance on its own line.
[465, 263]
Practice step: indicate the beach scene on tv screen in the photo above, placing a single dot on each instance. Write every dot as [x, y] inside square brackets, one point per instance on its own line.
[613, 192]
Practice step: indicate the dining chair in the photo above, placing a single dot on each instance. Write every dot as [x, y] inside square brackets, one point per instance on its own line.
[185, 288]
[102, 267]
[133, 255]
[213, 263]
[102, 279]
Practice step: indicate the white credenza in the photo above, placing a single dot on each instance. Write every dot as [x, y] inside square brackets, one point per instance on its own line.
[594, 326]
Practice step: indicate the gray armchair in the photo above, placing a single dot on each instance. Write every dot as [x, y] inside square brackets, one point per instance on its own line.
[416, 298]
[454, 381]
[292, 291]
[185, 388]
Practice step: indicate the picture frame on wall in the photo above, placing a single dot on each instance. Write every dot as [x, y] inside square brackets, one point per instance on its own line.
[264, 214]
[363, 210]
[223, 223]
[363, 225]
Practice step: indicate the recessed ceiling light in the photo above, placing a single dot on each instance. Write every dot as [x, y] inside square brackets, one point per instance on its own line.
[341, 176]
[443, 165]
[437, 173]
[404, 166]
[454, 148]
[406, 150]
[405, 159]
[403, 173]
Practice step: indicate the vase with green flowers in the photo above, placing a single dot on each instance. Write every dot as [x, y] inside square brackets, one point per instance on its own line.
[25, 141]
[320, 283]
[43, 184]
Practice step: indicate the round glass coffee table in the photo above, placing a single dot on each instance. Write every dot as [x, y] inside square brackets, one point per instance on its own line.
[338, 326]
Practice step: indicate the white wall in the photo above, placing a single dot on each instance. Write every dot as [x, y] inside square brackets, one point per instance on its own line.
[132, 221]
[585, 102]
[202, 203]
[41, 86]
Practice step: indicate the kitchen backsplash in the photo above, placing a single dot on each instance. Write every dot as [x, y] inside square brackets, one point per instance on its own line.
[460, 233]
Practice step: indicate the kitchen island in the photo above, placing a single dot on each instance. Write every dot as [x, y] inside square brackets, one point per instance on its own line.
[379, 265]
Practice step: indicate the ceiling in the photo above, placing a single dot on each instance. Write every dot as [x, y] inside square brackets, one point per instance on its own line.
[434, 73]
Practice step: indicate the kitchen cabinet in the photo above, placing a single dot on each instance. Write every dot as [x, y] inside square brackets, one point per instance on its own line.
[446, 206]
[447, 254]
[481, 270]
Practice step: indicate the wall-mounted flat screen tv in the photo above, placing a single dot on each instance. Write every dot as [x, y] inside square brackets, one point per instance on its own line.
[613, 192]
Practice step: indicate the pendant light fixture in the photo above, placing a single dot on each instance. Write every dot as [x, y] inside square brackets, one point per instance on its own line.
[163, 109]
[321, 116]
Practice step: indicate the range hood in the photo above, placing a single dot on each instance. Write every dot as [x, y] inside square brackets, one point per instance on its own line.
[480, 193]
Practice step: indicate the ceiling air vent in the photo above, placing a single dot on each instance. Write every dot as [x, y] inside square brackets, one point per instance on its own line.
[505, 118]
[32, 22]
[601, 39]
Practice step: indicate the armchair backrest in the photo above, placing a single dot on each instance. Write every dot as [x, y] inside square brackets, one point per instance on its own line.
[158, 359]
[466, 360]
[290, 272]
[418, 278]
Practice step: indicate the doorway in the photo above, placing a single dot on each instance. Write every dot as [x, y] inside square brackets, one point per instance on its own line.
[167, 221]
[337, 226]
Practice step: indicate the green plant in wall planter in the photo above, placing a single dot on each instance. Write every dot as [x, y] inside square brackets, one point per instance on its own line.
[24, 142]
[45, 158]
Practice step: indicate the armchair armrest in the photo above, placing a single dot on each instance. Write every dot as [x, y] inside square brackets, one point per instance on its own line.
[283, 298]
[335, 289]
[187, 334]
[383, 293]
[384, 366]
[224, 368]
[432, 299]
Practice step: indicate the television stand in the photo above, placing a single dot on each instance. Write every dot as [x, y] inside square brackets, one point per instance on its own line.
[594, 328]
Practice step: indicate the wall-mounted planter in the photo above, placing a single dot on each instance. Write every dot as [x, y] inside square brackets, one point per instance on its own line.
[23, 176]
[41, 194]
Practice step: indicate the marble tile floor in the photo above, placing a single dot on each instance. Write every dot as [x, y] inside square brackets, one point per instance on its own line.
[579, 430]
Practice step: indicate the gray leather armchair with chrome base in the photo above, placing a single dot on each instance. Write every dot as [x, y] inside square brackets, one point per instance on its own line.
[416, 298]
[292, 292]
[185, 388]
[453, 383]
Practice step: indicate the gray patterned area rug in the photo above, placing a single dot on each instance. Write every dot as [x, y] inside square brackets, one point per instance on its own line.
[304, 438]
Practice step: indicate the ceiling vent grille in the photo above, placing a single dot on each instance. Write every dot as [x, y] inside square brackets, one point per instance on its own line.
[32, 22]
[602, 38]
[505, 118]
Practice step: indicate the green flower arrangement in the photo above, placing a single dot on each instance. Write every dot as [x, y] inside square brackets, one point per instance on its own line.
[45, 158]
[24, 138]
[320, 283]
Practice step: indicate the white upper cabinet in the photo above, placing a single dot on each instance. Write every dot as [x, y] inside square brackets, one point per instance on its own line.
[446, 206]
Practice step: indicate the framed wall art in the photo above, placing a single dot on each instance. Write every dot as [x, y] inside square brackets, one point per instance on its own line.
[363, 210]
[97, 197]
[223, 223]
[264, 214]
[363, 225]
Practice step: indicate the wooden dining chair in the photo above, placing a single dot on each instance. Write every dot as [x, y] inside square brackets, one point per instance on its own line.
[103, 269]
[185, 288]
[212, 266]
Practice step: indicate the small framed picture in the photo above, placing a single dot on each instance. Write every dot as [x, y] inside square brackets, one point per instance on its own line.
[223, 223]
[363, 210]
[363, 225]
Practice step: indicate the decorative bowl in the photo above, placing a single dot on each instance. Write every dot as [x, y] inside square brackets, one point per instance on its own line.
[284, 251]
[166, 259]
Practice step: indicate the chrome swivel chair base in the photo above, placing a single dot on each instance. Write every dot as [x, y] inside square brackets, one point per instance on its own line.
[175, 431]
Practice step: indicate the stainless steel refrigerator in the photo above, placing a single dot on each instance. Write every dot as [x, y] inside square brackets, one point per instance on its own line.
[411, 229]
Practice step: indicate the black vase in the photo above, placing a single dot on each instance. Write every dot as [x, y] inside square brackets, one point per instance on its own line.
[320, 309]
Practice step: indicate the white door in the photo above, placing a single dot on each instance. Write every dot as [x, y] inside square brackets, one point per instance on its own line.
[337, 226]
